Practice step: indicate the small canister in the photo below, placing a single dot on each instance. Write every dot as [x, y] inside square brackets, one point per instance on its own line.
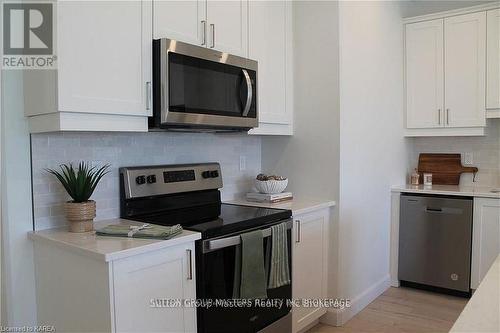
[427, 179]
[415, 177]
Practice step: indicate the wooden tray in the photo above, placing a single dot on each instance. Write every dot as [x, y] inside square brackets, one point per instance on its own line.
[445, 168]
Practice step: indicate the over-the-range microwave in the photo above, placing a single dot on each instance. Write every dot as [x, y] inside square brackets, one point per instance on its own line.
[201, 89]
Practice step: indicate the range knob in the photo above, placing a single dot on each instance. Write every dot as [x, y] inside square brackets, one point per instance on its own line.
[214, 174]
[205, 174]
[151, 179]
[140, 180]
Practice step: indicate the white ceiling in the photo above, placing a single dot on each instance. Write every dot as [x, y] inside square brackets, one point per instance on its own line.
[421, 7]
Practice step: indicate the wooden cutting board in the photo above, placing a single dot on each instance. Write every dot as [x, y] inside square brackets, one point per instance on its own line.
[445, 168]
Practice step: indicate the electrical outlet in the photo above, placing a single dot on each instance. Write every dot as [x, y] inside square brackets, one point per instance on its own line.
[243, 162]
[468, 158]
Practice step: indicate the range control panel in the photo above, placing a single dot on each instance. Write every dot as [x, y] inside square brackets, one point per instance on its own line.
[167, 179]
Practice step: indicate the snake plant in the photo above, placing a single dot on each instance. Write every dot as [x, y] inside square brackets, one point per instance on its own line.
[80, 182]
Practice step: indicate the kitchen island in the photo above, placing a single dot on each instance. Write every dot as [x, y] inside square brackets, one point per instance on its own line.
[482, 312]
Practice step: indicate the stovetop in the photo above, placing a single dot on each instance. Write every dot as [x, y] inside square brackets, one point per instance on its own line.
[188, 195]
[231, 219]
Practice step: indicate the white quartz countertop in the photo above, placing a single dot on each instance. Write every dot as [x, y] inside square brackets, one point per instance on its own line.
[297, 205]
[108, 248]
[482, 312]
[469, 191]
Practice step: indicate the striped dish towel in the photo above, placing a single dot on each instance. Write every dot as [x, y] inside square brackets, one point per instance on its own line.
[279, 271]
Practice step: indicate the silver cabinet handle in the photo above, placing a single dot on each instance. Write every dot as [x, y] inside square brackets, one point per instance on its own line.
[190, 264]
[204, 32]
[148, 95]
[298, 231]
[212, 28]
[439, 116]
[249, 93]
[447, 116]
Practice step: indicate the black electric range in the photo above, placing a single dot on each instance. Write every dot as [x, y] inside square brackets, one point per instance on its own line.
[189, 195]
[232, 219]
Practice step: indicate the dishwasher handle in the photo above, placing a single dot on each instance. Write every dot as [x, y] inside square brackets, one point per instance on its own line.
[433, 210]
[444, 210]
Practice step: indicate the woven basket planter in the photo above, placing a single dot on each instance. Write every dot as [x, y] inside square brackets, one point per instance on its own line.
[80, 215]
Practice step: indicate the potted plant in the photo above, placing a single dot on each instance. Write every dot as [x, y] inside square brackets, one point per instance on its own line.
[80, 183]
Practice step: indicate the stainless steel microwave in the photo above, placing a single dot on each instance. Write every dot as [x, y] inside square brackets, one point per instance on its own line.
[198, 88]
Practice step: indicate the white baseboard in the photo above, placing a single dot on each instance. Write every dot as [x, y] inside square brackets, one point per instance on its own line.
[331, 317]
[308, 327]
[338, 317]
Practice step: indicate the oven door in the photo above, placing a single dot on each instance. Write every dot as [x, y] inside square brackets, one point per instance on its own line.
[215, 267]
[206, 88]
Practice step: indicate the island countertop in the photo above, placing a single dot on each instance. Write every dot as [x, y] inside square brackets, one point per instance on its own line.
[482, 312]
[108, 248]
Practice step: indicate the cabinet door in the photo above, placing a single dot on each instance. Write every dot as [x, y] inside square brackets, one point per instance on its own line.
[104, 56]
[309, 265]
[141, 282]
[228, 26]
[424, 74]
[493, 60]
[180, 20]
[485, 237]
[465, 65]
[268, 33]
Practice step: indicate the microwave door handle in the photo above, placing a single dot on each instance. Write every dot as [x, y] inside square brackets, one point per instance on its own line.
[249, 93]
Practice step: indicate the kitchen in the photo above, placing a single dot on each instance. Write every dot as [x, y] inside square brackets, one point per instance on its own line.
[332, 99]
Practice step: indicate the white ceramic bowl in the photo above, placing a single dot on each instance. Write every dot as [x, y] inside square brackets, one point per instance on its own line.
[271, 186]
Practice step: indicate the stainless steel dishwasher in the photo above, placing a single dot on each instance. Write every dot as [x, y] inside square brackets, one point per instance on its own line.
[435, 239]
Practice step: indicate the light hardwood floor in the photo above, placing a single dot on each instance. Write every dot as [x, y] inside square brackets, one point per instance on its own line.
[403, 310]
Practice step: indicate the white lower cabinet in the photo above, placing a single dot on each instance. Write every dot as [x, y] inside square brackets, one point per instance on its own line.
[485, 237]
[140, 280]
[310, 265]
[79, 293]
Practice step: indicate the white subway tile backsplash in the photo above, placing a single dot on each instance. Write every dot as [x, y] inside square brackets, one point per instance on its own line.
[131, 149]
[485, 150]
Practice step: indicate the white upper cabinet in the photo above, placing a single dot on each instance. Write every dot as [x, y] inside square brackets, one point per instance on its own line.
[270, 43]
[219, 25]
[424, 74]
[445, 69]
[227, 28]
[103, 76]
[184, 21]
[464, 68]
[493, 60]
[103, 52]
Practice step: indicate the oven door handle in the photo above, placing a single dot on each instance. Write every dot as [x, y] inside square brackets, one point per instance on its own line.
[220, 243]
[249, 92]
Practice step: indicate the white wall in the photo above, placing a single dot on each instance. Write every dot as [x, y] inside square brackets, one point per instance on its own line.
[18, 273]
[310, 158]
[373, 152]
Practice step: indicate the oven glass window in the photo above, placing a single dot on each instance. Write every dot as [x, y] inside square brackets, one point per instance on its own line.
[206, 87]
[215, 280]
